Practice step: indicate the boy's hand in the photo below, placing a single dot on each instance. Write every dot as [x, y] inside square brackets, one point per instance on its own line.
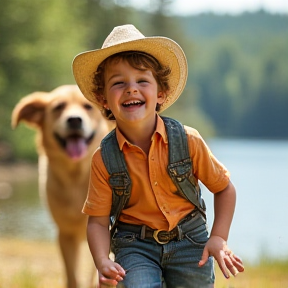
[110, 273]
[227, 261]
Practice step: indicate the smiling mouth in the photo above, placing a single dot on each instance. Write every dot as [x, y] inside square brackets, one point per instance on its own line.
[75, 145]
[133, 103]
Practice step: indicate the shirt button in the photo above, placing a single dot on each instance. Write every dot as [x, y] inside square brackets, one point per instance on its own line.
[165, 209]
[156, 183]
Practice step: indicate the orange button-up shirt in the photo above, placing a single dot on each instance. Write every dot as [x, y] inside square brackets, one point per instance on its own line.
[154, 201]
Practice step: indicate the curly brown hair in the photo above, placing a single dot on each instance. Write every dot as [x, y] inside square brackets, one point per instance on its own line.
[138, 60]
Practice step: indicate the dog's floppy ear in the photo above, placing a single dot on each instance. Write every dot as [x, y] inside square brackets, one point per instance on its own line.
[30, 109]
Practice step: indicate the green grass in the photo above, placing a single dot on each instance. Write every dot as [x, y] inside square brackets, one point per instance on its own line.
[268, 273]
[25, 278]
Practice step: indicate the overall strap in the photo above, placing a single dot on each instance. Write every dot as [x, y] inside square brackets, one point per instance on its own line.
[180, 167]
[119, 180]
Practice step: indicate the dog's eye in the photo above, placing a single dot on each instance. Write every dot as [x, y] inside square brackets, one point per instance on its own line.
[59, 107]
[87, 106]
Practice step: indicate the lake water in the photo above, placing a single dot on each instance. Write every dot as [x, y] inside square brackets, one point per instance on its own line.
[259, 170]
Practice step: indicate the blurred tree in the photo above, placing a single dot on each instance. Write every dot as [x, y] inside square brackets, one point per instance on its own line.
[229, 73]
[37, 43]
[269, 113]
[237, 81]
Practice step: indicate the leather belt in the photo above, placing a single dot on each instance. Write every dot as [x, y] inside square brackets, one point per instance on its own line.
[161, 236]
[145, 232]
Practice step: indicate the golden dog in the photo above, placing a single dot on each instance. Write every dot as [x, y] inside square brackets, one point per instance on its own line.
[69, 130]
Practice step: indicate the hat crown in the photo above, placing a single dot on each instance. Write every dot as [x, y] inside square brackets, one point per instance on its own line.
[121, 34]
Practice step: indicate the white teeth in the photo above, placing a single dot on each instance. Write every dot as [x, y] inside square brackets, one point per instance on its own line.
[133, 103]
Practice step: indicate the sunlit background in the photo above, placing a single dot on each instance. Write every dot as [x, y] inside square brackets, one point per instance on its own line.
[236, 96]
[188, 7]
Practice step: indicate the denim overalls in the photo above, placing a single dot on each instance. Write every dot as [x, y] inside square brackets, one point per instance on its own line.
[157, 258]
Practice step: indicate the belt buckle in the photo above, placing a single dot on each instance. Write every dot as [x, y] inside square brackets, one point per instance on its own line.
[155, 236]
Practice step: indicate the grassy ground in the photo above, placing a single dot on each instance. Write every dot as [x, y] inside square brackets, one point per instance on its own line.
[266, 274]
[29, 264]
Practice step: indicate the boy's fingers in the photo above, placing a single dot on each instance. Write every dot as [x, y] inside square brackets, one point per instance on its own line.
[106, 281]
[237, 262]
[112, 276]
[230, 263]
[204, 258]
[120, 270]
[223, 267]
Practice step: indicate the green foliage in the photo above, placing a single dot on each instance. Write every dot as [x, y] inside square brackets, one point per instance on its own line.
[24, 144]
[240, 72]
[237, 85]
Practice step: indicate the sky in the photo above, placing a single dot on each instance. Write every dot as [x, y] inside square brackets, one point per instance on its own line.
[186, 7]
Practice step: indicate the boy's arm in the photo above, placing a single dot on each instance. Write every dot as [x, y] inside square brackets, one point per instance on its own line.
[224, 205]
[98, 237]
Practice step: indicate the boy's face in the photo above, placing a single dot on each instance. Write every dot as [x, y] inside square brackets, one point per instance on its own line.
[131, 94]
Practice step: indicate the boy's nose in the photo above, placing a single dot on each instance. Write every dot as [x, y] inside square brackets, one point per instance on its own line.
[131, 92]
[131, 89]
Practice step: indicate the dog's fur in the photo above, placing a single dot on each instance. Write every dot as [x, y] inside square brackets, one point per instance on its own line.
[69, 130]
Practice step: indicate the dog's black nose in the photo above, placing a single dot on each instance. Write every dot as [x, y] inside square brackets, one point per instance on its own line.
[74, 122]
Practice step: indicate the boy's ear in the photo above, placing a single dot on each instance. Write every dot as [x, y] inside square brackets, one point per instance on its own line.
[101, 100]
[106, 106]
[161, 97]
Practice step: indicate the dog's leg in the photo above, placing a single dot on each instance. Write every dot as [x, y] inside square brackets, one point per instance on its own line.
[70, 249]
[93, 278]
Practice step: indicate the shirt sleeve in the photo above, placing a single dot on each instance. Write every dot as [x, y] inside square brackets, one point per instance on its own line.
[206, 168]
[99, 197]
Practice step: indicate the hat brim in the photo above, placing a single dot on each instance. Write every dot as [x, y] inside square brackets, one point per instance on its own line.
[165, 50]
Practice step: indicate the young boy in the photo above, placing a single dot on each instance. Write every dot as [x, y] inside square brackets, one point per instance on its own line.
[160, 236]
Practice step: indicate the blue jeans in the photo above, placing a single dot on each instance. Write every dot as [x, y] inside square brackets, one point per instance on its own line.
[149, 264]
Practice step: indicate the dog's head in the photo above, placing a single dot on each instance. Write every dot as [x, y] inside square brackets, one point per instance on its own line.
[67, 121]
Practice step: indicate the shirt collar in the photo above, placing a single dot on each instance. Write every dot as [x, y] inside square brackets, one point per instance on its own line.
[160, 129]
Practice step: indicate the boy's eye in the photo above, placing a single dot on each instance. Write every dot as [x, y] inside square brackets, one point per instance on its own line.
[118, 83]
[143, 81]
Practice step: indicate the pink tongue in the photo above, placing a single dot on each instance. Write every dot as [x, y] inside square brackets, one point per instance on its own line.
[76, 147]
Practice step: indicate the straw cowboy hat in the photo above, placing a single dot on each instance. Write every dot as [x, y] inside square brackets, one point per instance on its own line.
[128, 38]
